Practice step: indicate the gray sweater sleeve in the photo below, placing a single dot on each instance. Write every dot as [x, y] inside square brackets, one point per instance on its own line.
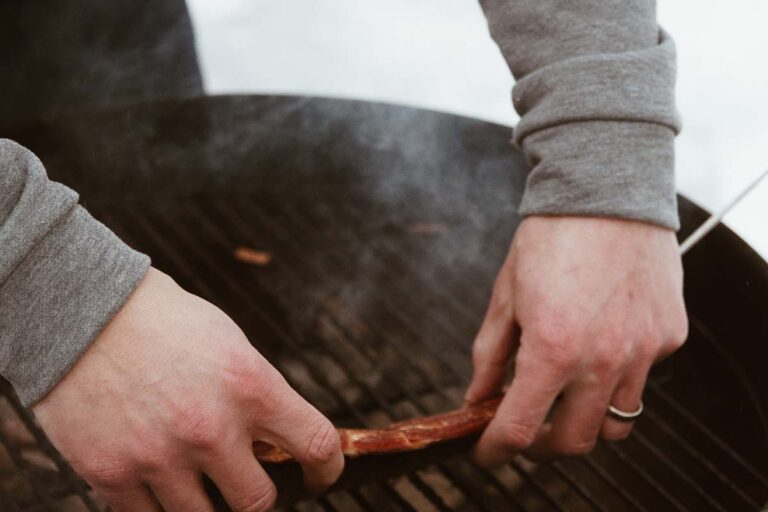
[63, 275]
[595, 92]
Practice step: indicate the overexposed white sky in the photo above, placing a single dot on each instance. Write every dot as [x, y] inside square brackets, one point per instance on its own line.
[437, 54]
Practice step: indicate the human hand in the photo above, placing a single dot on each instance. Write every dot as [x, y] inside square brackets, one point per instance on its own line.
[596, 302]
[171, 389]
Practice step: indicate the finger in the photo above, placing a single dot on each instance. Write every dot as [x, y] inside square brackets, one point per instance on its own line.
[493, 346]
[245, 485]
[626, 397]
[133, 499]
[523, 409]
[181, 492]
[311, 438]
[576, 422]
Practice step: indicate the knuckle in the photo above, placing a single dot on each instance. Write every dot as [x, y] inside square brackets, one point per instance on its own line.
[649, 350]
[680, 332]
[555, 343]
[560, 357]
[107, 475]
[609, 360]
[153, 460]
[250, 379]
[258, 500]
[197, 427]
[151, 453]
[324, 444]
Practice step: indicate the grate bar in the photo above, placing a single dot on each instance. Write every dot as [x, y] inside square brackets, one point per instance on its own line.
[662, 425]
[325, 504]
[607, 478]
[402, 502]
[683, 412]
[642, 440]
[360, 499]
[348, 219]
[413, 275]
[349, 215]
[580, 489]
[430, 493]
[528, 477]
[645, 476]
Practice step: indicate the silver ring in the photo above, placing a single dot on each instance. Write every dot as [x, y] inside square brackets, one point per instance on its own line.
[624, 415]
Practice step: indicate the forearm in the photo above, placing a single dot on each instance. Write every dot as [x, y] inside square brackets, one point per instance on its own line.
[63, 275]
[595, 91]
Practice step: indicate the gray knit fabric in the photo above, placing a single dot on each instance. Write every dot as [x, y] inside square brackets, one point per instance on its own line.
[595, 82]
[595, 91]
[63, 275]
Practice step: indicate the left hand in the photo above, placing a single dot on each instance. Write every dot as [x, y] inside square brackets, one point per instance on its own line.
[596, 301]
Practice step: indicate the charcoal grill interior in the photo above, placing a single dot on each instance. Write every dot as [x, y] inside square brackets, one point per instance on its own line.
[387, 225]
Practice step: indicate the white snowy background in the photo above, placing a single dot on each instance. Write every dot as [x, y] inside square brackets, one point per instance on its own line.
[437, 54]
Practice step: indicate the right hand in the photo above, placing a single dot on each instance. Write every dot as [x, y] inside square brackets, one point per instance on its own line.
[172, 389]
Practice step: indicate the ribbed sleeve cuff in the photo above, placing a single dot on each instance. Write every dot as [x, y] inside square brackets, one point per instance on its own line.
[59, 299]
[603, 168]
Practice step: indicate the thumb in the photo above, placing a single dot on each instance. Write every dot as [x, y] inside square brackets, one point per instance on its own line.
[493, 346]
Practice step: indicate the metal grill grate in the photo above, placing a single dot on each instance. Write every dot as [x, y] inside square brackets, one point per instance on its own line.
[371, 322]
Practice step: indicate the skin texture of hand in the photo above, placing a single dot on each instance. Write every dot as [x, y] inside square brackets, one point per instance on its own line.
[595, 303]
[171, 389]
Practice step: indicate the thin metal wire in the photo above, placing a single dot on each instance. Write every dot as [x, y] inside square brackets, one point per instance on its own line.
[715, 219]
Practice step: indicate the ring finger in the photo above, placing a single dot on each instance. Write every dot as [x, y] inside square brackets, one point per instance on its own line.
[627, 397]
